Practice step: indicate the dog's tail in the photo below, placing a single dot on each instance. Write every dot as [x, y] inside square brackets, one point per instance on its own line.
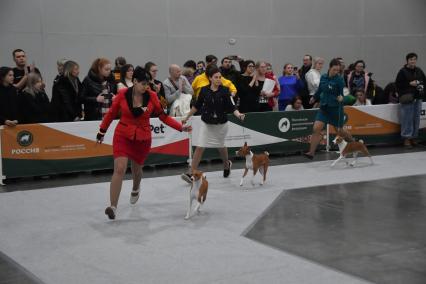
[266, 153]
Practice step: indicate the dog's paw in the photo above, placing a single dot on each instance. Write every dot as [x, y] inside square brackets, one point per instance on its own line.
[187, 217]
[261, 183]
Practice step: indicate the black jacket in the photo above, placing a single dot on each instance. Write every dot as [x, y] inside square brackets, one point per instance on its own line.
[214, 106]
[8, 103]
[65, 104]
[92, 87]
[33, 109]
[405, 76]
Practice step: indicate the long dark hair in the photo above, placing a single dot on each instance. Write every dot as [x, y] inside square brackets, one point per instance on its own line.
[3, 73]
[123, 72]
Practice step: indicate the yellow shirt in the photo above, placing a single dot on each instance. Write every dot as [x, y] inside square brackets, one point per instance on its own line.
[202, 81]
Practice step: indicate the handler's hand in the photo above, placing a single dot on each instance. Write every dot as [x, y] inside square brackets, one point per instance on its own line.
[340, 99]
[187, 128]
[100, 137]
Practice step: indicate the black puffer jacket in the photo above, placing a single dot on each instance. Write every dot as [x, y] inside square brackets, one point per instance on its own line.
[34, 109]
[92, 87]
[65, 103]
[405, 76]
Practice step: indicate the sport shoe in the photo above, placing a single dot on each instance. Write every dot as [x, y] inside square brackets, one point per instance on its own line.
[134, 196]
[186, 177]
[110, 212]
[227, 172]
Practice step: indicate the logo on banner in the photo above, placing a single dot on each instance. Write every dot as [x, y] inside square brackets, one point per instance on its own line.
[284, 124]
[24, 138]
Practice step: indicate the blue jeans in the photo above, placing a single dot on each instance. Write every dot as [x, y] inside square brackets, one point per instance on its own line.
[410, 119]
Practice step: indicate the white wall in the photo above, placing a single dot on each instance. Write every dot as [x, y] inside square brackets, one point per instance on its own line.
[165, 31]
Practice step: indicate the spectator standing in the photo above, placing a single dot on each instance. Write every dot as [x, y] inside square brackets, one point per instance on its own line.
[119, 63]
[8, 98]
[201, 66]
[202, 80]
[248, 91]
[126, 76]
[290, 85]
[265, 100]
[227, 69]
[155, 85]
[312, 78]
[21, 70]
[410, 83]
[60, 67]
[188, 71]
[98, 91]
[304, 91]
[33, 101]
[66, 105]
[358, 78]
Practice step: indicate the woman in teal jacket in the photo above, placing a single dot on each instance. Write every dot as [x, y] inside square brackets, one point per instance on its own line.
[330, 97]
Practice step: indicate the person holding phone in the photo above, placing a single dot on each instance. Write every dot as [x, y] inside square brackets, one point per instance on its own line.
[21, 70]
[98, 90]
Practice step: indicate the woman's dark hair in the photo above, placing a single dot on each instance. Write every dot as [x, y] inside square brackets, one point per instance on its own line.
[141, 74]
[359, 61]
[334, 62]
[246, 63]
[148, 65]
[359, 91]
[190, 64]
[211, 70]
[295, 99]
[210, 59]
[3, 72]
[411, 55]
[123, 72]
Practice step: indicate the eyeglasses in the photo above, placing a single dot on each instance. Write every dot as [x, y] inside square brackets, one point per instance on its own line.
[250, 66]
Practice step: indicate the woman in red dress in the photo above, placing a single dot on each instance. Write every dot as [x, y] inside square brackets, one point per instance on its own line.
[132, 136]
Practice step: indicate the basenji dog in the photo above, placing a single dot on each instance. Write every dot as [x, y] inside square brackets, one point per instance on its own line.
[198, 191]
[254, 162]
[346, 148]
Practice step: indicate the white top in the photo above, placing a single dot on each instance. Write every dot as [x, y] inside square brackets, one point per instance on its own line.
[290, 108]
[367, 103]
[122, 86]
[313, 78]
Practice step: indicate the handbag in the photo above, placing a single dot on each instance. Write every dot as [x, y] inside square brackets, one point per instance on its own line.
[407, 98]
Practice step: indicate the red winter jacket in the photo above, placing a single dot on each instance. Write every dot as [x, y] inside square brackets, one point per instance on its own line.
[276, 91]
[136, 127]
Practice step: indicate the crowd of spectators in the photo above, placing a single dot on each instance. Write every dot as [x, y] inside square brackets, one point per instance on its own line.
[23, 97]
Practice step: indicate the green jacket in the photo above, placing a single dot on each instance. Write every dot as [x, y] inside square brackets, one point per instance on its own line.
[329, 89]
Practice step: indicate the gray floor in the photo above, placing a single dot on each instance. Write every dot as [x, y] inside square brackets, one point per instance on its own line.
[374, 230]
[62, 225]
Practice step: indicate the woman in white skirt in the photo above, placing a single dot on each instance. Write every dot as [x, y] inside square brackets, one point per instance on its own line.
[214, 103]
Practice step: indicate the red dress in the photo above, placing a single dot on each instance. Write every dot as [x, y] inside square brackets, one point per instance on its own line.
[132, 136]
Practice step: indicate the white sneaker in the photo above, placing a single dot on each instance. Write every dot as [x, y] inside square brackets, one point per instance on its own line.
[186, 177]
[134, 196]
[110, 212]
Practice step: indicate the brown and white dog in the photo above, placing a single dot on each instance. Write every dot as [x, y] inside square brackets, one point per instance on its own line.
[255, 162]
[346, 148]
[198, 191]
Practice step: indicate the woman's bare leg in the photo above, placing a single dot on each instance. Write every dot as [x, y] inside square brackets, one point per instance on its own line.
[120, 167]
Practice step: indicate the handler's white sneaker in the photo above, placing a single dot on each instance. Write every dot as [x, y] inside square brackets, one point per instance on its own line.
[134, 196]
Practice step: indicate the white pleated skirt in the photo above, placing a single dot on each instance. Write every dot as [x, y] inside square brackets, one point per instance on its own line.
[212, 135]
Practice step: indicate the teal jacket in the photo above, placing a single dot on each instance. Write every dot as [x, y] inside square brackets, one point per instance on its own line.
[329, 89]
